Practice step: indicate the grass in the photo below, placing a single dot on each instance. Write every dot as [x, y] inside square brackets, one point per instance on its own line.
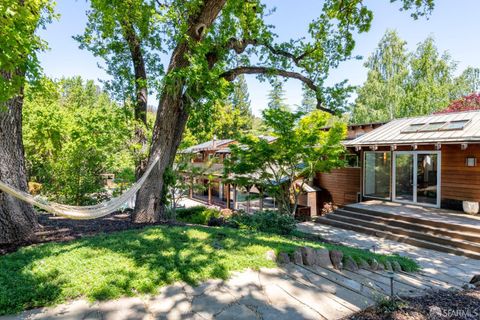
[133, 262]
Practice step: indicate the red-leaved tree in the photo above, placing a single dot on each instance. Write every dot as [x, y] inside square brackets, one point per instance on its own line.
[467, 103]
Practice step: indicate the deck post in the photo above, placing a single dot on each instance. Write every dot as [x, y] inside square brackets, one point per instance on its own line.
[228, 195]
[209, 193]
[234, 197]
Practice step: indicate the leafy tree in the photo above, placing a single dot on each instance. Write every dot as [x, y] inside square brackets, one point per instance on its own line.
[467, 103]
[276, 96]
[430, 84]
[402, 84]
[127, 36]
[380, 98]
[19, 46]
[212, 42]
[73, 133]
[301, 149]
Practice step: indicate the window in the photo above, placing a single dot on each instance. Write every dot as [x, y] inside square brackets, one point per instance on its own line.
[352, 161]
[432, 126]
[414, 127]
[377, 175]
[455, 125]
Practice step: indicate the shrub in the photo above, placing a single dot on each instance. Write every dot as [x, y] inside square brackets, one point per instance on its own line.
[197, 215]
[265, 221]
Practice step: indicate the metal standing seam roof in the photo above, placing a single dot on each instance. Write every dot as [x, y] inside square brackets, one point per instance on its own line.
[393, 131]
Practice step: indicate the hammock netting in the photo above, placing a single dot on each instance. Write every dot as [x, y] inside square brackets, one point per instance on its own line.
[81, 212]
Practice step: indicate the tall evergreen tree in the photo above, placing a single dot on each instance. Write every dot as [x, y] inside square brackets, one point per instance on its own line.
[276, 96]
[309, 101]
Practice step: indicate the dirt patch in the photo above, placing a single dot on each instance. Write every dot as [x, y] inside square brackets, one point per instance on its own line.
[60, 229]
[438, 305]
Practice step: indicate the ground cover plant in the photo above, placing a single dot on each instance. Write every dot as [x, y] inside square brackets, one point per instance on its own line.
[197, 215]
[135, 262]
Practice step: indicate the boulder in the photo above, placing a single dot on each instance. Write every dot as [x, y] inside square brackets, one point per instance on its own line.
[308, 256]
[388, 266]
[350, 264]
[374, 265]
[322, 258]
[283, 258]
[336, 259]
[297, 257]
[363, 264]
[270, 255]
[396, 266]
[475, 279]
[468, 286]
[477, 284]
[381, 267]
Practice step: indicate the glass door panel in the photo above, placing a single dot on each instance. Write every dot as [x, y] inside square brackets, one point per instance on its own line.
[404, 177]
[377, 175]
[427, 174]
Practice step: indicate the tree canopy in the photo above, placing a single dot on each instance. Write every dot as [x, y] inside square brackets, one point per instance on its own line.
[402, 84]
[302, 147]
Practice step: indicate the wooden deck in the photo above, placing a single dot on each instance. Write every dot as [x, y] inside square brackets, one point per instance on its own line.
[432, 214]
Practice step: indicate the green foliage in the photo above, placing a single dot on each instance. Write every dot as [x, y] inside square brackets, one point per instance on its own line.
[109, 26]
[265, 221]
[301, 148]
[276, 96]
[309, 100]
[197, 215]
[19, 44]
[72, 133]
[133, 262]
[403, 84]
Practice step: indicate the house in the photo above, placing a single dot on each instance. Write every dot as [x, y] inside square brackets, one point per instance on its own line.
[429, 161]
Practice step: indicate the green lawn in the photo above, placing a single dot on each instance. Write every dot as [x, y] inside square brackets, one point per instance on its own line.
[135, 262]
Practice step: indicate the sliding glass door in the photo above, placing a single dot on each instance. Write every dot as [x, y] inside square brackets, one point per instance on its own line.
[376, 183]
[416, 177]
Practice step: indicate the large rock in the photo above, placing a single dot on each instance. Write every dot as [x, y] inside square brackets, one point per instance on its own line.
[308, 256]
[363, 264]
[475, 279]
[374, 265]
[283, 258]
[350, 264]
[396, 266]
[270, 255]
[381, 267]
[322, 258]
[336, 259]
[388, 266]
[297, 257]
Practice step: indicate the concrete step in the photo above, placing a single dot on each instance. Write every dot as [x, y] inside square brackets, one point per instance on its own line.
[416, 220]
[434, 231]
[406, 230]
[399, 238]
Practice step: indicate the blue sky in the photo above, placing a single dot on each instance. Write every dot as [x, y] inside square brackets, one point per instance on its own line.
[453, 24]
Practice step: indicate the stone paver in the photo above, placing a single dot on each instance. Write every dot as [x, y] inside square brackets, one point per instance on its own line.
[277, 294]
[456, 270]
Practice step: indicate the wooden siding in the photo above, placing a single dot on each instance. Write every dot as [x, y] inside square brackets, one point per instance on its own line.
[460, 182]
[340, 185]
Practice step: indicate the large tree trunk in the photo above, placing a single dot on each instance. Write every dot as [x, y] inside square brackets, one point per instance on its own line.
[17, 218]
[141, 94]
[171, 120]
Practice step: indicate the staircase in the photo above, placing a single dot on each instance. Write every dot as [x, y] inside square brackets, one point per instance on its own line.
[435, 235]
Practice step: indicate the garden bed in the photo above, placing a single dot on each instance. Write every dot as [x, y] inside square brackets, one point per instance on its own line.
[441, 305]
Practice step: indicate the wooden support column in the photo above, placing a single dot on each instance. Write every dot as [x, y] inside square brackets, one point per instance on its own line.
[228, 195]
[260, 203]
[209, 193]
[190, 190]
[234, 197]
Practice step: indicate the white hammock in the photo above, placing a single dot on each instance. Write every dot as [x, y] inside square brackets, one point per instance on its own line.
[81, 212]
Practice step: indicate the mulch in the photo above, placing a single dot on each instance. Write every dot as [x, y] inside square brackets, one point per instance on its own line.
[58, 229]
[436, 305]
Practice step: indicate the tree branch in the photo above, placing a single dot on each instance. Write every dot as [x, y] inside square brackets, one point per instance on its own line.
[231, 74]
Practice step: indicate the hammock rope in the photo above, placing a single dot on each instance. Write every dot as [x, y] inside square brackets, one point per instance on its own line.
[81, 212]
